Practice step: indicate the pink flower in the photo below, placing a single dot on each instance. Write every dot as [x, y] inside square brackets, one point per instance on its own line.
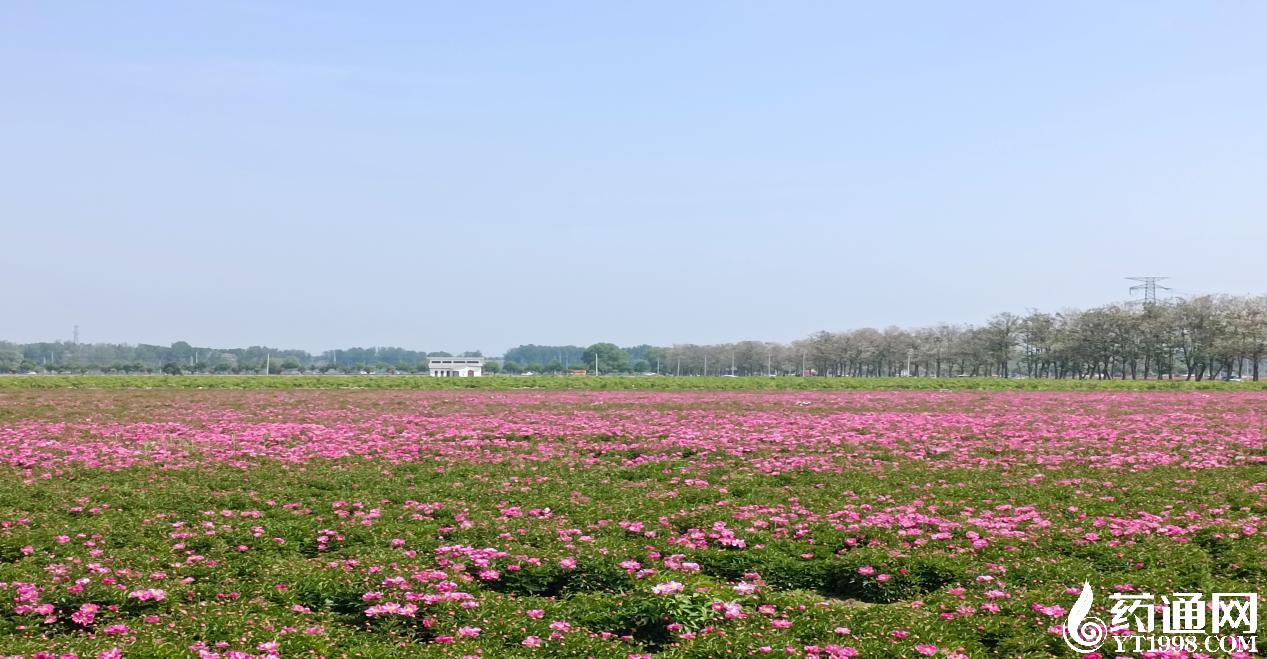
[536, 614]
[531, 642]
[469, 632]
[926, 650]
[155, 594]
[86, 614]
[667, 588]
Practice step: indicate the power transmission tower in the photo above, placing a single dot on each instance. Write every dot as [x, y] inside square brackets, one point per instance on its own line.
[1149, 286]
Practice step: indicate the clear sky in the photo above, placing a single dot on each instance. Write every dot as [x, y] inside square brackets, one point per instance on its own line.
[452, 176]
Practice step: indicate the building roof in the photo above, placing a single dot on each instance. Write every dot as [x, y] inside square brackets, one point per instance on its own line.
[464, 361]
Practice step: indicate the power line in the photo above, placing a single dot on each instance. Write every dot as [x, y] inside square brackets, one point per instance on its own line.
[1183, 292]
[1149, 286]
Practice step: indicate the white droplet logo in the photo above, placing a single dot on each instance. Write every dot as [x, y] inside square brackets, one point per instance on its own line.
[1082, 633]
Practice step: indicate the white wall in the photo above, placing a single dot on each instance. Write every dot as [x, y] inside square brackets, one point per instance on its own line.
[460, 370]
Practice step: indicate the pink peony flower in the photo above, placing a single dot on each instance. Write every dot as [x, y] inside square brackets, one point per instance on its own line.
[667, 588]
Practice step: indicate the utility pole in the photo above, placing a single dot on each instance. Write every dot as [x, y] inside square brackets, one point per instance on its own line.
[268, 356]
[802, 364]
[909, 352]
[705, 364]
[1149, 286]
[769, 362]
[596, 362]
[678, 373]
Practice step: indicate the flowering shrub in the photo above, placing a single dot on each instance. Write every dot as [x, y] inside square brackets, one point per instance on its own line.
[224, 524]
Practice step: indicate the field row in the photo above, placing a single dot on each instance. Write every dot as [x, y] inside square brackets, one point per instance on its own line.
[611, 524]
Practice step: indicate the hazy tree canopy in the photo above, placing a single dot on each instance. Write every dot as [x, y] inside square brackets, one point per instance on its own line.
[10, 357]
[535, 354]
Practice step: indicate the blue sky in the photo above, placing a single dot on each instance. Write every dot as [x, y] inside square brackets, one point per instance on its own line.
[324, 174]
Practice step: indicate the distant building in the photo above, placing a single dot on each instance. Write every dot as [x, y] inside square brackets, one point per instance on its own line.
[455, 367]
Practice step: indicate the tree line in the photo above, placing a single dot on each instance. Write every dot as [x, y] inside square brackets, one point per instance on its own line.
[181, 357]
[1207, 337]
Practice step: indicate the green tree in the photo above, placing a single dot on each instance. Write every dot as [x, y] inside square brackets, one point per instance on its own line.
[611, 359]
[10, 357]
[181, 352]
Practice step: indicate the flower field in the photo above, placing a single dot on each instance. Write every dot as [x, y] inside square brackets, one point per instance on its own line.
[508, 523]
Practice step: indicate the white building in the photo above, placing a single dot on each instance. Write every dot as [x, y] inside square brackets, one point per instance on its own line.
[455, 367]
